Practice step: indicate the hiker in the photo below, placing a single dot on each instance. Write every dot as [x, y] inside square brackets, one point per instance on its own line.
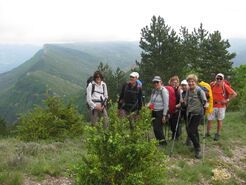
[222, 94]
[139, 81]
[159, 105]
[96, 97]
[196, 102]
[184, 89]
[174, 116]
[130, 100]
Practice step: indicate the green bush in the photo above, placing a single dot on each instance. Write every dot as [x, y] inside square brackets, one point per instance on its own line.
[3, 127]
[120, 155]
[55, 121]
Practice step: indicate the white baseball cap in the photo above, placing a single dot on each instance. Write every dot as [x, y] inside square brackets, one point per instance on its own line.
[221, 75]
[134, 74]
[184, 82]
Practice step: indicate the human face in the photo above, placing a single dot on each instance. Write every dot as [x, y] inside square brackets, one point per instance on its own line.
[157, 84]
[184, 87]
[174, 83]
[133, 80]
[219, 79]
[98, 79]
[192, 84]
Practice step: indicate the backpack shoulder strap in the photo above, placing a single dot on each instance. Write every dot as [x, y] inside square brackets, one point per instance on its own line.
[103, 88]
[199, 89]
[92, 88]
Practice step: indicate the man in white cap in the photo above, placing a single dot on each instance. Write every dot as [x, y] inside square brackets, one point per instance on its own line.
[222, 94]
[130, 99]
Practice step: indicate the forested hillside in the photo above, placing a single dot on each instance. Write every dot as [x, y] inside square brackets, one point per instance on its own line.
[57, 70]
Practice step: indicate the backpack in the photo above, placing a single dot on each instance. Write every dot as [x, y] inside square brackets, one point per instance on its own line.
[172, 99]
[206, 92]
[224, 83]
[126, 90]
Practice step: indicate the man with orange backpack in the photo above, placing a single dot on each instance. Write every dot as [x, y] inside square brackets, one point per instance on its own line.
[222, 94]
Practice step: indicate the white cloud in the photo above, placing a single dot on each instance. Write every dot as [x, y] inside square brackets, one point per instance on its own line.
[73, 20]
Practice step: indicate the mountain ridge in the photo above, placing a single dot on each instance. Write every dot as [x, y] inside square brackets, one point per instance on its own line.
[53, 70]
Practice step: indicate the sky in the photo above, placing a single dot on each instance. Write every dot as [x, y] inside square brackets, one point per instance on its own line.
[49, 21]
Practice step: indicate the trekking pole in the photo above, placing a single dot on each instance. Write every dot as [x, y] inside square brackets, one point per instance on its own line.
[176, 129]
[204, 137]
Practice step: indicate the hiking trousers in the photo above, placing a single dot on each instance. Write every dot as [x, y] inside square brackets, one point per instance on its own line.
[96, 115]
[173, 121]
[158, 126]
[193, 123]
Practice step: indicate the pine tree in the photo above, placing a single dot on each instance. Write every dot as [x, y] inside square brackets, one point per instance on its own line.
[206, 54]
[161, 53]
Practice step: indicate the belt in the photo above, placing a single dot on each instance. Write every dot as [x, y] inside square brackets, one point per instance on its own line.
[97, 101]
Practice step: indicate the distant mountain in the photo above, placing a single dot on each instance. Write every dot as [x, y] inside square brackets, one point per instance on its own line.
[113, 53]
[238, 45]
[60, 69]
[12, 56]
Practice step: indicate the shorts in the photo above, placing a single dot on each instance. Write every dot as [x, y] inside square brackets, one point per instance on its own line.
[217, 114]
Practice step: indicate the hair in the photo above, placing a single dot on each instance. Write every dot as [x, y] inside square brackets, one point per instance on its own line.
[192, 77]
[97, 73]
[173, 78]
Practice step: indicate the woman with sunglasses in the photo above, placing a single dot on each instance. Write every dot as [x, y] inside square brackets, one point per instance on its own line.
[159, 105]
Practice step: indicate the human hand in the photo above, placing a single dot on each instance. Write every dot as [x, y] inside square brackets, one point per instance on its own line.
[164, 120]
[206, 105]
[99, 107]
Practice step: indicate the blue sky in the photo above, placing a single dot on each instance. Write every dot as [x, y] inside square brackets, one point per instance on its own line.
[44, 21]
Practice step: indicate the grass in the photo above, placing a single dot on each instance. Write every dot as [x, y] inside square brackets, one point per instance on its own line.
[38, 160]
[184, 169]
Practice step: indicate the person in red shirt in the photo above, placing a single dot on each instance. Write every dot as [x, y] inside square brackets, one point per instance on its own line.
[222, 94]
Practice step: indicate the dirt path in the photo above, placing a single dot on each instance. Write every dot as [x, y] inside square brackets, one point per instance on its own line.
[49, 181]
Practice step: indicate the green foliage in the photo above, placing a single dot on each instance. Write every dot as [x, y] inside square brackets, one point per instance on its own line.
[60, 69]
[161, 52]
[11, 178]
[114, 80]
[167, 54]
[3, 127]
[30, 162]
[206, 53]
[56, 121]
[238, 82]
[120, 155]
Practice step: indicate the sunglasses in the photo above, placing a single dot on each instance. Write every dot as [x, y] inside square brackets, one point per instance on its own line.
[218, 78]
[98, 77]
[132, 77]
[155, 82]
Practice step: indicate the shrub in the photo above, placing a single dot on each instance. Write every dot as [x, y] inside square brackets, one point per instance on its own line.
[55, 121]
[120, 155]
[3, 128]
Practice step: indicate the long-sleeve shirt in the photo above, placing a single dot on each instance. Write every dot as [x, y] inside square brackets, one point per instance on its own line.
[160, 100]
[100, 94]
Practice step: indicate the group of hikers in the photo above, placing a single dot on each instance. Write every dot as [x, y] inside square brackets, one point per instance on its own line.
[191, 101]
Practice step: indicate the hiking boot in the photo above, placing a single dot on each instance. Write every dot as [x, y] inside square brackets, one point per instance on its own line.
[198, 153]
[188, 142]
[163, 143]
[216, 137]
[207, 135]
